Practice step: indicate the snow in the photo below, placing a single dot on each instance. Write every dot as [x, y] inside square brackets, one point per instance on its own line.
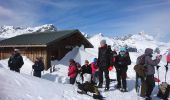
[55, 86]
[11, 31]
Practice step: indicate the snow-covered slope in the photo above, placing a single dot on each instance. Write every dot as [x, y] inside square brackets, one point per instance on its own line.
[25, 87]
[16, 86]
[11, 31]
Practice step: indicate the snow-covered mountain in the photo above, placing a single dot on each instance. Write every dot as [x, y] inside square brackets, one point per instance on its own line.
[11, 31]
[23, 86]
[140, 41]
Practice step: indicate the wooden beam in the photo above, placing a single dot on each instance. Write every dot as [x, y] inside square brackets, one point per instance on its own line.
[23, 45]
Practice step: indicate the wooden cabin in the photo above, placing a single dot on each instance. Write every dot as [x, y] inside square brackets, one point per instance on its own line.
[49, 45]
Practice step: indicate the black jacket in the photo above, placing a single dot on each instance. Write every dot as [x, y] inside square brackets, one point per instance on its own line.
[105, 58]
[86, 69]
[38, 67]
[121, 62]
[15, 62]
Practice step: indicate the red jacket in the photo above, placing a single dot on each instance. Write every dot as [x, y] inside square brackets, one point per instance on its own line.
[94, 67]
[168, 58]
[72, 71]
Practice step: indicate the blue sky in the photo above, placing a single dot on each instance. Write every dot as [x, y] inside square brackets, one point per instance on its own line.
[110, 17]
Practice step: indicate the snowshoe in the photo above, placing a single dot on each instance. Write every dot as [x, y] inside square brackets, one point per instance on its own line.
[82, 92]
[148, 98]
[100, 86]
[106, 89]
[117, 86]
[123, 90]
[99, 97]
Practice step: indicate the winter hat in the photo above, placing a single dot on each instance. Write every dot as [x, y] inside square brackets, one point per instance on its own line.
[103, 42]
[86, 61]
[71, 60]
[122, 49]
[148, 51]
[87, 78]
[95, 60]
[169, 53]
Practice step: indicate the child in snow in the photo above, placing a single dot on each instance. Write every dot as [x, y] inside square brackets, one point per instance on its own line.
[72, 71]
[95, 71]
[38, 67]
[121, 64]
[86, 69]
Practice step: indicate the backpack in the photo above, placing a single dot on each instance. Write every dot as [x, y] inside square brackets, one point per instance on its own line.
[164, 90]
[140, 66]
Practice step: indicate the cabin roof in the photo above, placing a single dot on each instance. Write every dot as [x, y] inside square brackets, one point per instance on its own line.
[39, 39]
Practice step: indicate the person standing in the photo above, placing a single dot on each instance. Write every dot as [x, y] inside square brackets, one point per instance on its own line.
[72, 71]
[121, 64]
[15, 62]
[104, 62]
[38, 67]
[150, 71]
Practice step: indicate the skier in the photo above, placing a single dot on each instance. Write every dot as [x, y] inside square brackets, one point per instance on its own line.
[104, 62]
[95, 72]
[72, 71]
[38, 67]
[86, 69]
[121, 64]
[15, 62]
[150, 71]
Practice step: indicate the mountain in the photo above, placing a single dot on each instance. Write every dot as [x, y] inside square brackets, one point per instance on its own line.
[55, 85]
[140, 41]
[11, 31]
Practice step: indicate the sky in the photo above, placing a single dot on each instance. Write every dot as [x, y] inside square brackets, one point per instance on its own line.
[110, 17]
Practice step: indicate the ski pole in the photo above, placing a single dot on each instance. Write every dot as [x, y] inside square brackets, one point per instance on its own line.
[166, 67]
[157, 67]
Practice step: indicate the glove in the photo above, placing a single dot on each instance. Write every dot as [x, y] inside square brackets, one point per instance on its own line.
[157, 67]
[110, 68]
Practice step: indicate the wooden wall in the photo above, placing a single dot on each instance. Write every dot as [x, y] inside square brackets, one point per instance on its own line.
[31, 53]
[56, 49]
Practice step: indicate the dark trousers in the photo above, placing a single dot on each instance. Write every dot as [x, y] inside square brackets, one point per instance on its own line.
[121, 76]
[106, 73]
[37, 74]
[15, 69]
[150, 82]
[72, 80]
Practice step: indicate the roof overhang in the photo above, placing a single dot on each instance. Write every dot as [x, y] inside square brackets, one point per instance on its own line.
[23, 46]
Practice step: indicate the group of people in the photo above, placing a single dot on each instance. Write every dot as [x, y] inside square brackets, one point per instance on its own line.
[15, 63]
[107, 59]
